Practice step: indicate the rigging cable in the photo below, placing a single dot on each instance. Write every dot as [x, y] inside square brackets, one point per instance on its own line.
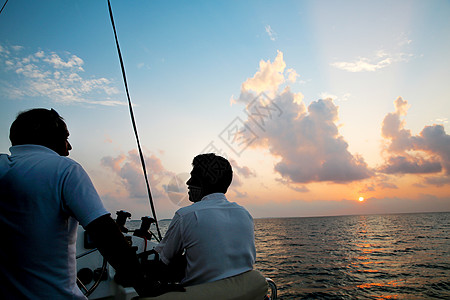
[3, 6]
[133, 121]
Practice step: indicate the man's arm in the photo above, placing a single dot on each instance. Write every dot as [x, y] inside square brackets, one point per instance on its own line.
[171, 245]
[112, 245]
[170, 251]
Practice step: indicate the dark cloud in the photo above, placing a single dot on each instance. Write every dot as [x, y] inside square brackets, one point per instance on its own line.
[242, 171]
[438, 180]
[308, 143]
[238, 173]
[387, 185]
[368, 188]
[435, 140]
[293, 186]
[410, 165]
[425, 153]
[241, 195]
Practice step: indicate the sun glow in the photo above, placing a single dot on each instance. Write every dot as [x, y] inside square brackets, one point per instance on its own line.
[361, 199]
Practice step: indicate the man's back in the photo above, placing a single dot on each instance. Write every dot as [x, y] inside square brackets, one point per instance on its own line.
[38, 203]
[218, 237]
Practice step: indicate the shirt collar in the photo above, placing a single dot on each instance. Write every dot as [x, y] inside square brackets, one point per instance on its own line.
[214, 196]
[28, 148]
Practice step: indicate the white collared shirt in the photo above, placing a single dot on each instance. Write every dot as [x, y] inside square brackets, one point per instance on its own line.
[43, 196]
[217, 236]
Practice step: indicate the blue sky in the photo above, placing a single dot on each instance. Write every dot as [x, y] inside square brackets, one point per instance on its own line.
[355, 84]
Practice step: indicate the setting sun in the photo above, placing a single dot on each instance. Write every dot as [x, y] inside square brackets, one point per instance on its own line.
[361, 199]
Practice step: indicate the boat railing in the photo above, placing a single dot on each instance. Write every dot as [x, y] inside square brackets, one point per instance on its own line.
[273, 289]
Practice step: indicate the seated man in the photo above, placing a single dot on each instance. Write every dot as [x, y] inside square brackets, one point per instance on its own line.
[43, 196]
[215, 235]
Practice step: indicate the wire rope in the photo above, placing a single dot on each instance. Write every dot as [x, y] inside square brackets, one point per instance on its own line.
[133, 120]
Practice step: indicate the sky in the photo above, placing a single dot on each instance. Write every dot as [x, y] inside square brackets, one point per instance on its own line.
[316, 104]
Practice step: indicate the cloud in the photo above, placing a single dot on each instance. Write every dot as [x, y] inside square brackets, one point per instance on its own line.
[50, 75]
[438, 180]
[243, 171]
[379, 60]
[335, 98]
[306, 140]
[269, 76]
[128, 168]
[73, 62]
[238, 173]
[291, 75]
[441, 120]
[240, 195]
[272, 34]
[293, 186]
[268, 79]
[427, 152]
[410, 165]
[380, 181]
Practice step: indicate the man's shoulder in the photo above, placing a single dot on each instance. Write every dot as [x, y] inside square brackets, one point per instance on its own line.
[206, 204]
[187, 209]
[62, 161]
[194, 207]
[44, 155]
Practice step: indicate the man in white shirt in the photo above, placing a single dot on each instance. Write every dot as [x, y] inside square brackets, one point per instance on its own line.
[215, 235]
[43, 197]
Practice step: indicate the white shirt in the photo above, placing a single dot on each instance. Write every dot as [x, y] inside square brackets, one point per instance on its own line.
[218, 237]
[43, 196]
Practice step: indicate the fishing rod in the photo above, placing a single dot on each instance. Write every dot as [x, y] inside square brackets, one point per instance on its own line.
[133, 120]
[3, 6]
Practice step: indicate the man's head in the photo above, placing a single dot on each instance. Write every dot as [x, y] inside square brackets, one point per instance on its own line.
[210, 174]
[43, 127]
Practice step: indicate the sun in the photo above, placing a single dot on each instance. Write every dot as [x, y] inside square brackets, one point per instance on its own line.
[361, 199]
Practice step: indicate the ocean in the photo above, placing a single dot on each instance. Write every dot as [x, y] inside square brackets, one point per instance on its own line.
[402, 256]
[398, 256]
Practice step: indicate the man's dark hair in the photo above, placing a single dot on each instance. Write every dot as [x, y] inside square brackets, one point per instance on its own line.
[214, 171]
[38, 126]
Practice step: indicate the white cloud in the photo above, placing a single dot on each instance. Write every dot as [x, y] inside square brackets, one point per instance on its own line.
[292, 75]
[17, 48]
[128, 168]
[380, 60]
[335, 98]
[58, 77]
[58, 63]
[442, 120]
[272, 34]
[269, 77]
[325, 95]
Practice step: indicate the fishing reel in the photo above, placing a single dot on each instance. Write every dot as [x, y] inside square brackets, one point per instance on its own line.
[91, 277]
[121, 219]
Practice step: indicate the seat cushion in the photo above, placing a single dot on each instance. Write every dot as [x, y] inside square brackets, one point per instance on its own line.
[250, 285]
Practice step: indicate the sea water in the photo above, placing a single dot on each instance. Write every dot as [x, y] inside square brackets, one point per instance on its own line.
[402, 256]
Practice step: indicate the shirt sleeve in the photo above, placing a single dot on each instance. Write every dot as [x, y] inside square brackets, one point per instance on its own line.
[80, 196]
[172, 244]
